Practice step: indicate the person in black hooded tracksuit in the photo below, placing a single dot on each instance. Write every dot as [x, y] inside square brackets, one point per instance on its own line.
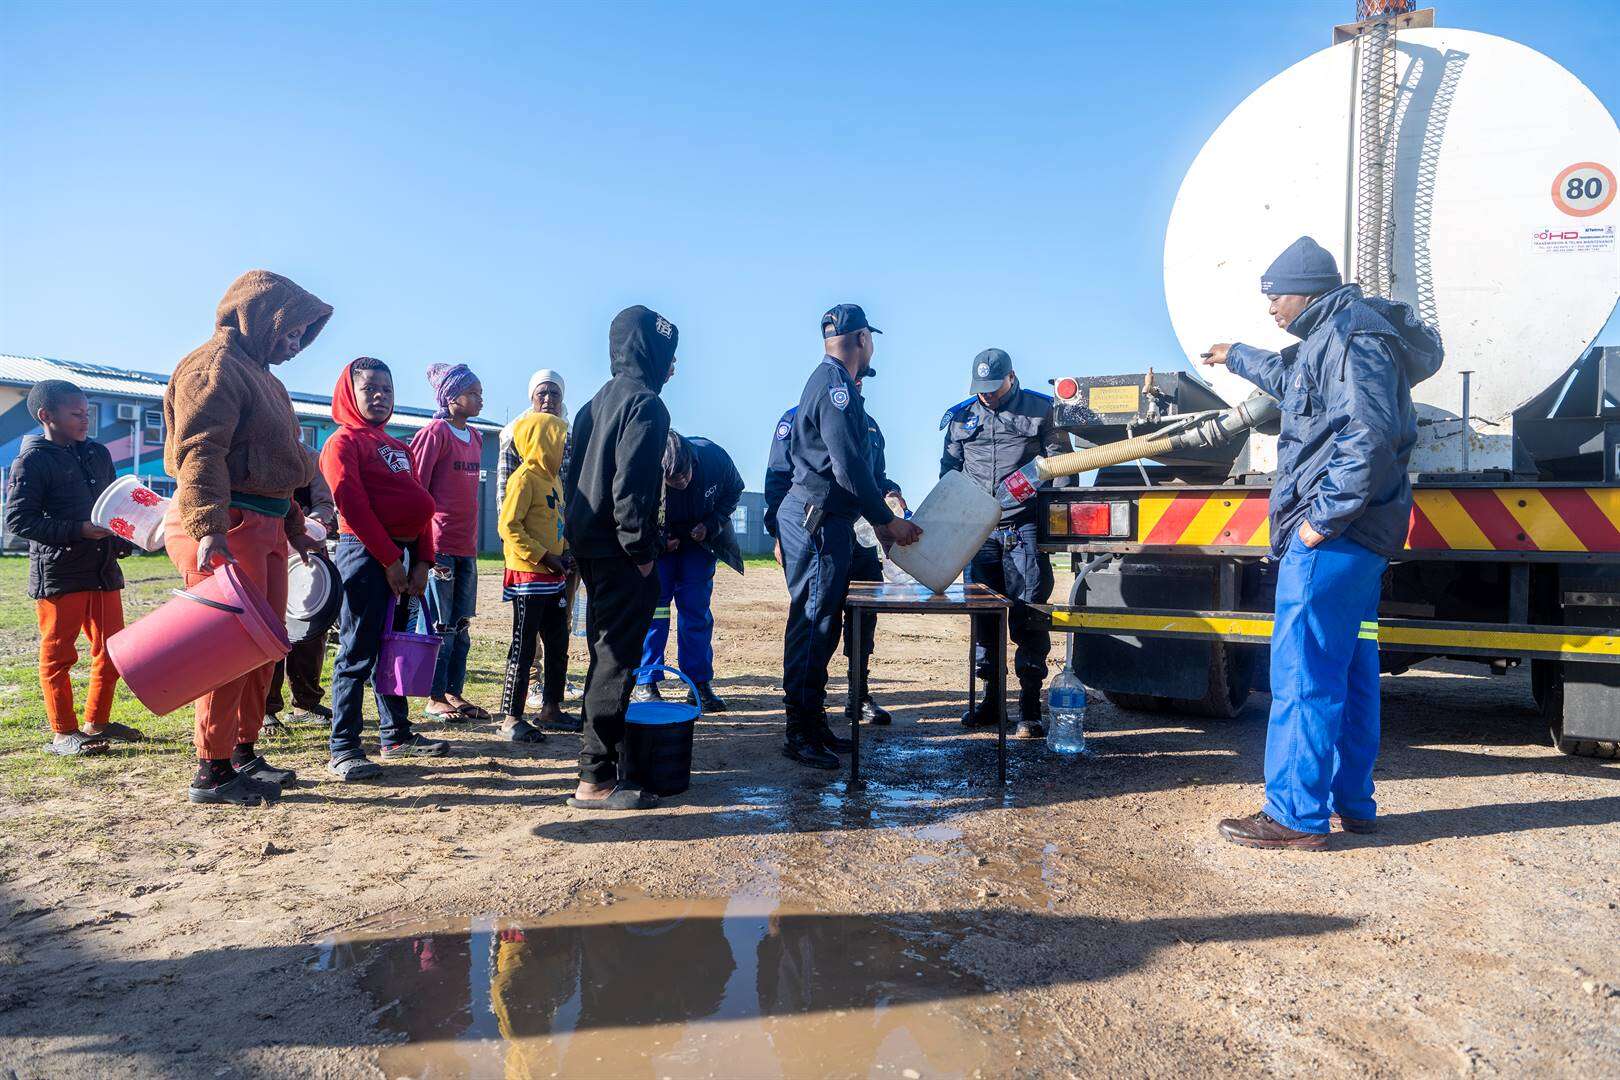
[612, 488]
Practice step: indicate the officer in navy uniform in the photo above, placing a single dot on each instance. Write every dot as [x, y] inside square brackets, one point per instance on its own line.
[833, 484]
[867, 565]
[998, 430]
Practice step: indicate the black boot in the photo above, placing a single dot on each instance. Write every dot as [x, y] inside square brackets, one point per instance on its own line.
[646, 692]
[806, 751]
[827, 738]
[707, 698]
[873, 713]
[1029, 713]
[983, 714]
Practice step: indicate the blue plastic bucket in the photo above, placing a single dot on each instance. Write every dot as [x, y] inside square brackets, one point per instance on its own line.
[658, 740]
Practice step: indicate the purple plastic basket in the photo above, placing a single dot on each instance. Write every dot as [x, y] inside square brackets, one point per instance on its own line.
[405, 661]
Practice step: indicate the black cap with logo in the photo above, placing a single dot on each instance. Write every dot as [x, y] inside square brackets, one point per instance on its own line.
[845, 319]
[989, 369]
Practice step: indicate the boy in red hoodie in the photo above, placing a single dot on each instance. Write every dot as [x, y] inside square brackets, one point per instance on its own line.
[384, 552]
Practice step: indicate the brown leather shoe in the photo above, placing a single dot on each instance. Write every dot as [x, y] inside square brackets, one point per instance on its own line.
[1353, 824]
[1263, 831]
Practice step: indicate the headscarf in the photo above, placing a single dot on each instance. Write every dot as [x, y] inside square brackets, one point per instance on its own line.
[449, 381]
[547, 375]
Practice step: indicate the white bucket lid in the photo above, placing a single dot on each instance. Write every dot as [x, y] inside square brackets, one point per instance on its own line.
[309, 587]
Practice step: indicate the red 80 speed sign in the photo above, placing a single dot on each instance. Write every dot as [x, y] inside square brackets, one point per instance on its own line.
[1584, 189]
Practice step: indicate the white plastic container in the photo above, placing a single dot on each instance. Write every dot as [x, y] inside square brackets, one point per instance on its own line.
[133, 511]
[955, 518]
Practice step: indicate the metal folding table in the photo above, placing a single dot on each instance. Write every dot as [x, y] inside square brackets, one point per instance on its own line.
[969, 600]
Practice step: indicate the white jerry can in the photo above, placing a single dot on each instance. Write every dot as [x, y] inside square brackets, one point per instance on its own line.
[956, 518]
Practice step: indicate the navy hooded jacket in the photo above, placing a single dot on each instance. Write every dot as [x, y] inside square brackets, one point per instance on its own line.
[1348, 425]
[708, 499]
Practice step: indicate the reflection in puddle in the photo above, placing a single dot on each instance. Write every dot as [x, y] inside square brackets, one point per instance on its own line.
[655, 988]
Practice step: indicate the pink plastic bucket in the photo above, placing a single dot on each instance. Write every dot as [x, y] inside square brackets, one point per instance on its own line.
[206, 636]
[405, 661]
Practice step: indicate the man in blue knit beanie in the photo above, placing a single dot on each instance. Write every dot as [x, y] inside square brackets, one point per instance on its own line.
[1341, 504]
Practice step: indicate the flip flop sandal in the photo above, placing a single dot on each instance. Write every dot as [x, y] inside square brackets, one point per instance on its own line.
[453, 716]
[525, 732]
[117, 731]
[79, 744]
[619, 799]
[475, 712]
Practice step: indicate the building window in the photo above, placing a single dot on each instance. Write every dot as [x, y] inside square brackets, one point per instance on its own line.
[310, 435]
[154, 420]
[95, 421]
[739, 520]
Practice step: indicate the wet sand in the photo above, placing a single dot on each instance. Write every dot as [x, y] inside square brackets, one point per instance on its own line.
[457, 919]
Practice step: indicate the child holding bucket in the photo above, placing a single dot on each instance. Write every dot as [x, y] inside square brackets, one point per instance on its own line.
[531, 530]
[448, 455]
[73, 573]
[384, 552]
[235, 450]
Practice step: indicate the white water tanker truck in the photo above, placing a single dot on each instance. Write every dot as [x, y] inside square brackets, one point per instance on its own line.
[1474, 179]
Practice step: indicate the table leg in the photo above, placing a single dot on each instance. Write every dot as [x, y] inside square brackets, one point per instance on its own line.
[1001, 706]
[973, 683]
[857, 689]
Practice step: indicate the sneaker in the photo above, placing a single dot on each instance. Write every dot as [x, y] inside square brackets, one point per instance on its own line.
[238, 791]
[416, 746]
[316, 714]
[535, 701]
[354, 768]
[646, 692]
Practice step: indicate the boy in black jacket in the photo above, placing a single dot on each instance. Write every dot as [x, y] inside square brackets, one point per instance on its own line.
[611, 490]
[73, 573]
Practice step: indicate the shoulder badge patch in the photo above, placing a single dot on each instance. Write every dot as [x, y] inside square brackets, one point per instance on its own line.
[783, 430]
[840, 396]
[950, 413]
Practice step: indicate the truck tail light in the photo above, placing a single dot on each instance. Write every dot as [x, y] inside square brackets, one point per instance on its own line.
[1066, 389]
[1088, 519]
[1098, 519]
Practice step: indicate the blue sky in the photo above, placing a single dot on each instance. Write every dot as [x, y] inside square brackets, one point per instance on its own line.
[490, 183]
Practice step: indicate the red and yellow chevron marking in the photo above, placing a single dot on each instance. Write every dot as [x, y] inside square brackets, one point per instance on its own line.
[1515, 519]
[1443, 519]
[1204, 519]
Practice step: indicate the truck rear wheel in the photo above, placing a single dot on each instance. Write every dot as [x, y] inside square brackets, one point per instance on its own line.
[1228, 691]
[1547, 685]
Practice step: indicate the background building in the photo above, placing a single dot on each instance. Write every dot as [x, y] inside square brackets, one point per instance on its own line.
[126, 415]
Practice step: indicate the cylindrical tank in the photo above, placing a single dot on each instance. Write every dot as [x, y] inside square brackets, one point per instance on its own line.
[1504, 211]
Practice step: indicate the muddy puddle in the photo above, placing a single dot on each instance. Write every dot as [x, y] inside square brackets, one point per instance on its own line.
[638, 987]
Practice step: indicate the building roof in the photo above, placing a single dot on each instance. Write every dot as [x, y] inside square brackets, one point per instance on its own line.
[105, 379]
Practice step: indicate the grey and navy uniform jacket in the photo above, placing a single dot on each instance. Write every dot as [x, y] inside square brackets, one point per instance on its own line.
[987, 443]
[779, 466]
[1348, 425]
[830, 452]
[614, 478]
[51, 493]
[710, 498]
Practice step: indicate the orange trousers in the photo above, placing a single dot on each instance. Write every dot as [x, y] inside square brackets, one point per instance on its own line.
[235, 712]
[98, 615]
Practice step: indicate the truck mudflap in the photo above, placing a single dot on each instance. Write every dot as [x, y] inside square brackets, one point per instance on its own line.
[1568, 643]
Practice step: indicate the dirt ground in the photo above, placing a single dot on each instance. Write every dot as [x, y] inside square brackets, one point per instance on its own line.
[456, 919]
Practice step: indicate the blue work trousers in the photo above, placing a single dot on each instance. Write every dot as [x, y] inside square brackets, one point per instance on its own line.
[685, 576]
[818, 569]
[360, 629]
[1323, 736]
[447, 609]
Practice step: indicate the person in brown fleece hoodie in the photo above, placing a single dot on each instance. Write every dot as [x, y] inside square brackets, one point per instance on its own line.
[233, 445]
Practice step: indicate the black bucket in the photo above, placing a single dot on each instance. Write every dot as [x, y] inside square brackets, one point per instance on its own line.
[658, 742]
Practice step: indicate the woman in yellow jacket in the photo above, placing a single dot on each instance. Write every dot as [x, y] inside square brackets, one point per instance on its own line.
[531, 528]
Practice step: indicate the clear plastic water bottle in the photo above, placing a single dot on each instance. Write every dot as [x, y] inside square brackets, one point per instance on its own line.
[1066, 703]
[577, 616]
